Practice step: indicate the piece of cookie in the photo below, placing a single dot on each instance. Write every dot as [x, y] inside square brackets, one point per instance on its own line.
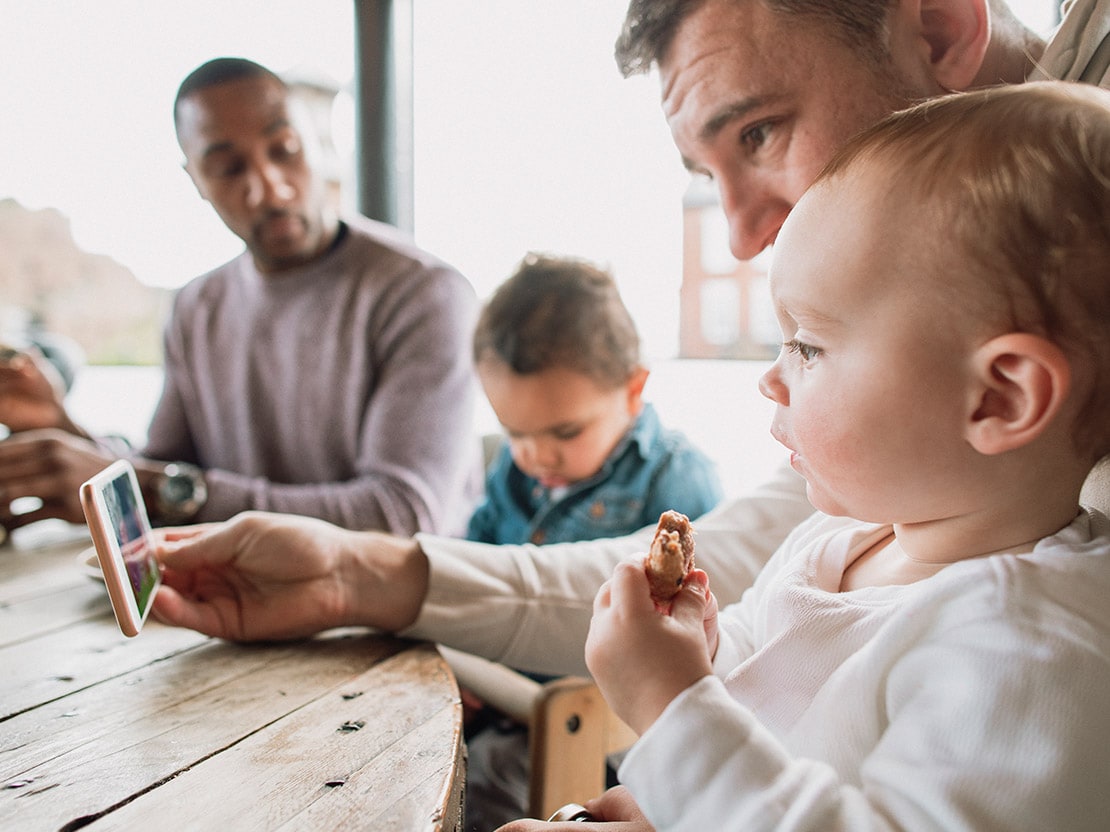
[670, 558]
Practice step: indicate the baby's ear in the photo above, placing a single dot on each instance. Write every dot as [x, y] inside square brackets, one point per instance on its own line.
[1022, 382]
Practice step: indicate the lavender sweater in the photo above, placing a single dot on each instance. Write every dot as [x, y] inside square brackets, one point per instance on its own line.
[341, 390]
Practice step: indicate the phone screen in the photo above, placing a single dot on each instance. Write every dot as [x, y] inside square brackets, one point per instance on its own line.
[124, 544]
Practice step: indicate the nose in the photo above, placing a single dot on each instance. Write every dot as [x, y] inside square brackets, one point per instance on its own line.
[534, 454]
[755, 213]
[268, 186]
[773, 387]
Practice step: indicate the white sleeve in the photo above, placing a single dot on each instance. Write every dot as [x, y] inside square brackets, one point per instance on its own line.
[529, 606]
[991, 719]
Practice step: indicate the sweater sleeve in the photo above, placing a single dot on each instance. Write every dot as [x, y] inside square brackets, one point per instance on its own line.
[530, 606]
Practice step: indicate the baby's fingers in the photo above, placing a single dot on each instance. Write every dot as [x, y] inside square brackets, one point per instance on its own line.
[688, 607]
[629, 587]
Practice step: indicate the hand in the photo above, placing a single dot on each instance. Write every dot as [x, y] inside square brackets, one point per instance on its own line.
[271, 576]
[50, 465]
[31, 394]
[615, 811]
[642, 658]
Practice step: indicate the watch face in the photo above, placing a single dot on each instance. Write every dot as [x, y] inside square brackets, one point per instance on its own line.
[180, 493]
[177, 489]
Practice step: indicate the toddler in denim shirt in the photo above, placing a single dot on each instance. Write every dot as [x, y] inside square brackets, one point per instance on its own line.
[586, 457]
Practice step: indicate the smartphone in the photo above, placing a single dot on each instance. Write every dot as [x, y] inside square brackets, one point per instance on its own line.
[120, 529]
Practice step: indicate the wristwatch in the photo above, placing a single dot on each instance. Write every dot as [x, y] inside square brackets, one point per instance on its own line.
[179, 492]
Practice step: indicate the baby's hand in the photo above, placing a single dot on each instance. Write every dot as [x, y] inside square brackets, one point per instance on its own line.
[642, 658]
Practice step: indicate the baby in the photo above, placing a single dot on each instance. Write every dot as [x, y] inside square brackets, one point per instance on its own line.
[942, 660]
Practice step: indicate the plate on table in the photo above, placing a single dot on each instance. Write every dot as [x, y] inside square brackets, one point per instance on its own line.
[89, 563]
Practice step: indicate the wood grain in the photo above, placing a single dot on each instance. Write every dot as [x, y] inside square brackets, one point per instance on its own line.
[351, 729]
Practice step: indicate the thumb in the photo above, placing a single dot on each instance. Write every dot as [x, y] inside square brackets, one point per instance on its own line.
[688, 605]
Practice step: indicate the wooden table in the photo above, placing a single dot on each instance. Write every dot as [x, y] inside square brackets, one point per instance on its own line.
[172, 730]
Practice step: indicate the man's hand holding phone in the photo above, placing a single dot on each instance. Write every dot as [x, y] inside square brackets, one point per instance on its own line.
[124, 543]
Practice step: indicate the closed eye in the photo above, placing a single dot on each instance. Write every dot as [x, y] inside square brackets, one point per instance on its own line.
[568, 432]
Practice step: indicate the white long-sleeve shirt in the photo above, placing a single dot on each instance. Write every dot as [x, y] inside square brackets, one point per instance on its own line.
[529, 606]
[976, 699]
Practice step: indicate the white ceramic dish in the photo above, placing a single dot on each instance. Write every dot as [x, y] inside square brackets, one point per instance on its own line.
[88, 563]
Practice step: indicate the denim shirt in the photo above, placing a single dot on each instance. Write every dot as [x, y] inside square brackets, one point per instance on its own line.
[651, 469]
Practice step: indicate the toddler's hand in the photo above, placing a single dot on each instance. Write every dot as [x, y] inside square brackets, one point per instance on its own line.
[641, 658]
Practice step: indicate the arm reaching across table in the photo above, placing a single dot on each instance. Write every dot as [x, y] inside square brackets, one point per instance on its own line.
[268, 576]
[265, 576]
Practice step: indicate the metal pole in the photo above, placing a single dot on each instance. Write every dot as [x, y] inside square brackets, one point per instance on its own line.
[383, 96]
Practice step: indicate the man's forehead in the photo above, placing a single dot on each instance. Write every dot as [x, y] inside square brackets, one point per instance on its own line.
[718, 27]
[724, 57]
[235, 109]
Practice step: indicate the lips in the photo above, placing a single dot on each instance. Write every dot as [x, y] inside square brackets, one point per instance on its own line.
[278, 226]
[779, 436]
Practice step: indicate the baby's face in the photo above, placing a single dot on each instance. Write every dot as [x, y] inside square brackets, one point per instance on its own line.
[872, 381]
[561, 425]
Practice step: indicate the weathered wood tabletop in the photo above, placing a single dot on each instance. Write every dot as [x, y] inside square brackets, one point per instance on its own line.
[172, 730]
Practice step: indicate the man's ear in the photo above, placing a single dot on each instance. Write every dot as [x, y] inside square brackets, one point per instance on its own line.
[185, 166]
[954, 35]
[1021, 383]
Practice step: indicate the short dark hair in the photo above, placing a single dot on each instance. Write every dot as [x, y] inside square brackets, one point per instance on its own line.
[559, 312]
[219, 71]
[650, 26]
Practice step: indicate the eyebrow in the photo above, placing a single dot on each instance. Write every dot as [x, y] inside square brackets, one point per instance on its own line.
[724, 116]
[222, 147]
[559, 428]
[727, 114]
[800, 311]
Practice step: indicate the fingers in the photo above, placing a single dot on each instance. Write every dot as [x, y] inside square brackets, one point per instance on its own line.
[177, 534]
[12, 521]
[29, 498]
[172, 608]
[190, 547]
[616, 804]
[530, 825]
[169, 607]
[50, 466]
[603, 599]
[629, 586]
[689, 604]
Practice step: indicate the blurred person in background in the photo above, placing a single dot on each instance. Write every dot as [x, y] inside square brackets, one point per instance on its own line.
[325, 371]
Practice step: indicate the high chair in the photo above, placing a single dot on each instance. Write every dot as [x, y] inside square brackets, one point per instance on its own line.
[571, 730]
